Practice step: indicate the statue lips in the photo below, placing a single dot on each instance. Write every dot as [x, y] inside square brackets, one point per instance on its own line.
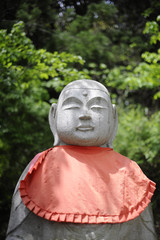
[85, 128]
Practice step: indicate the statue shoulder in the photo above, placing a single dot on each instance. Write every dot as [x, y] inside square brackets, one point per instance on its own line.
[18, 210]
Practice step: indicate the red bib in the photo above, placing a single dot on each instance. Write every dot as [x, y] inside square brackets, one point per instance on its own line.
[85, 185]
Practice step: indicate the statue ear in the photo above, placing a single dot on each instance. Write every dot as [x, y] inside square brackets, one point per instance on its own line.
[114, 126]
[52, 123]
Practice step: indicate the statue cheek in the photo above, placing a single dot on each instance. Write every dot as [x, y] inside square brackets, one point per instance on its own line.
[65, 122]
[101, 120]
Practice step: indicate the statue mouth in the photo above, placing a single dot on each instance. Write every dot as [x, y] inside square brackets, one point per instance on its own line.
[84, 128]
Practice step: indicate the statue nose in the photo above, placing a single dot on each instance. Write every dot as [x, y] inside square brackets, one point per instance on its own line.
[85, 115]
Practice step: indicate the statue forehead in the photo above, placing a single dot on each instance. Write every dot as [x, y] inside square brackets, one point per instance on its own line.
[84, 87]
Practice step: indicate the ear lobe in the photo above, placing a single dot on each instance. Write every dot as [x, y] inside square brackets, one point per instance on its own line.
[52, 115]
[114, 126]
[52, 123]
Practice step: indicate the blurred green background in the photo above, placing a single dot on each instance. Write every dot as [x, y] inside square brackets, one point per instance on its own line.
[44, 45]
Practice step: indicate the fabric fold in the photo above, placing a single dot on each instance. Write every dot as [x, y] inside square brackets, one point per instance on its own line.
[85, 185]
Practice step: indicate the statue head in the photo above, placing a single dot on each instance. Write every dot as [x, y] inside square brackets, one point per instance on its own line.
[84, 115]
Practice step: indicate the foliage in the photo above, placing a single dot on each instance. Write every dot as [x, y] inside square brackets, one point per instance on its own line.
[144, 76]
[99, 36]
[28, 79]
[38, 16]
[140, 134]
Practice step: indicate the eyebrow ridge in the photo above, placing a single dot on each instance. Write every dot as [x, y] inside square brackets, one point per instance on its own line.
[73, 99]
[95, 98]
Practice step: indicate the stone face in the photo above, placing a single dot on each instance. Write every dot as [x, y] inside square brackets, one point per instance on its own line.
[81, 115]
[84, 116]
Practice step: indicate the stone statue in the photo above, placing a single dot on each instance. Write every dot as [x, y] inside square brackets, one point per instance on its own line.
[81, 188]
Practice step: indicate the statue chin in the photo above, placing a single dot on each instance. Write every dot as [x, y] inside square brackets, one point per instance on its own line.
[84, 143]
[82, 140]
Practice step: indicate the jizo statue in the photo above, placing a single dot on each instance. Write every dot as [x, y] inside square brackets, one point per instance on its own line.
[81, 188]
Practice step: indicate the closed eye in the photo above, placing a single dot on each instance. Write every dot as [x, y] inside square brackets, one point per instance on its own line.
[98, 107]
[71, 107]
